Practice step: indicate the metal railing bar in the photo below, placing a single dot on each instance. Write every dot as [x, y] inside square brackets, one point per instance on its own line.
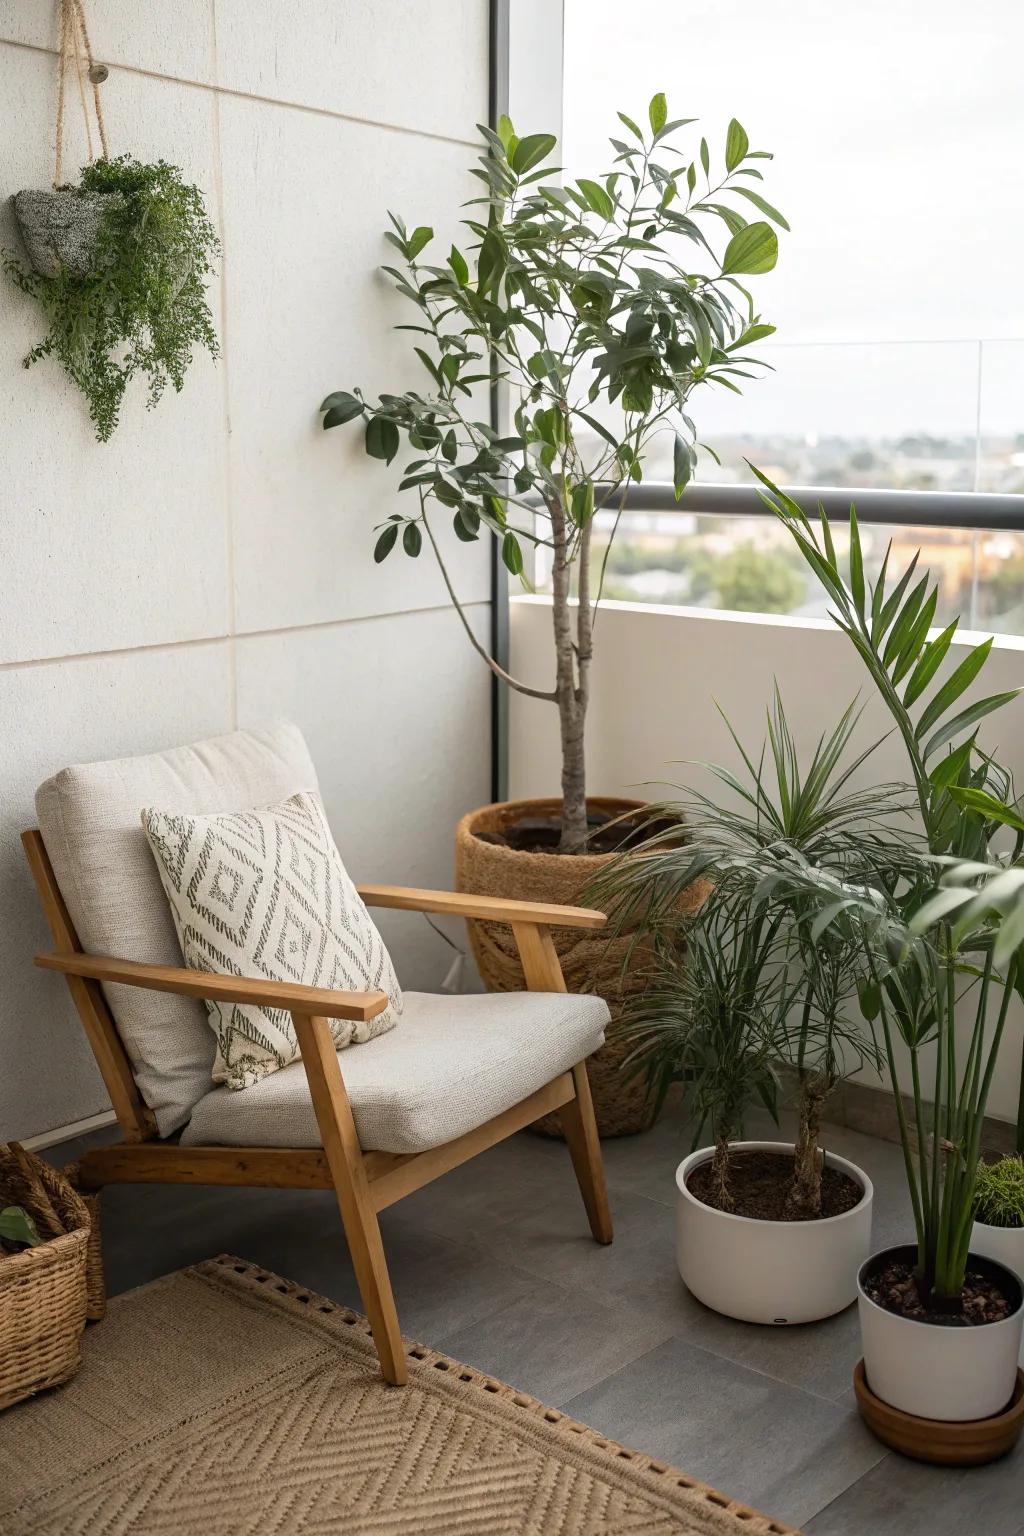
[921, 509]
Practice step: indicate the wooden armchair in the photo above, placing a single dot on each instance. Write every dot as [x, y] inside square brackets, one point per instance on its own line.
[365, 1180]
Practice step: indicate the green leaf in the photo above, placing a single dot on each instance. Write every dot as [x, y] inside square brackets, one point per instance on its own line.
[459, 266]
[467, 524]
[345, 408]
[988, 806]
[17, 1226]
[420, 237]
[754, 249]
[931, 660]
[506, 133]
[856, 564]
[633, 128]
[597, 198]
[657, 112]
[531, 151]
[682, 465]
[511, 554]
[705, 157]
[736, 145]
[581, 503]
[968, 717]
[412, 539]
[762, 203]
[382, 438]
[386, 543]
[953, 687]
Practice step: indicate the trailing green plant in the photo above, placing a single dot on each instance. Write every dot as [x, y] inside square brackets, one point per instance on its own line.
[141, 307]
[602, 305]
[922, 964]
[999, 1193]
[752, 836]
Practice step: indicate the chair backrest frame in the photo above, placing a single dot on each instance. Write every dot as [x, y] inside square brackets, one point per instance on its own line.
[134, 1116]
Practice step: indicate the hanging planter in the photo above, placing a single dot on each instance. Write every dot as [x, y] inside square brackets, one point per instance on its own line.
[117, 262]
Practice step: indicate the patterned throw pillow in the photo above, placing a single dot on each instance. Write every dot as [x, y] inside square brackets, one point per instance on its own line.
[264, 893]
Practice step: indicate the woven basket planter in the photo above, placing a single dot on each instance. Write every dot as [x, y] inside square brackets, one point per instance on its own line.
[59, 229]
[591, 962]
[95, 1279]
[42, 1289]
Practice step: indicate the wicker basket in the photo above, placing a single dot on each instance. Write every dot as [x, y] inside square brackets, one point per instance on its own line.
[591, 962]
[95, 1280]
[42, 1289]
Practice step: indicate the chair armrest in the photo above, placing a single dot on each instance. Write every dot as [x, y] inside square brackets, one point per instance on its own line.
[493, 908]
[318, 1001]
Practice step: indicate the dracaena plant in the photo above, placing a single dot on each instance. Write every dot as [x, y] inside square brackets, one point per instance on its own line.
[950, 931]
[752, 837]
[602, 305]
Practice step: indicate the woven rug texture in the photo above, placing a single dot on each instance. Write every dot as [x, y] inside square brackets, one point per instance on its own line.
[222, 1400]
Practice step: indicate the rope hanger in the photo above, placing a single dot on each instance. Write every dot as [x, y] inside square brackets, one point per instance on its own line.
[76, 50]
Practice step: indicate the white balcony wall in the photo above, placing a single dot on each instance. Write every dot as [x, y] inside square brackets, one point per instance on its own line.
[657, 676]
[210, 567]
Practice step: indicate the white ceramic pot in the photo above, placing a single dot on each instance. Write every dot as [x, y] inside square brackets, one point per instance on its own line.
[771, 1271]
[933, 1370]
[1006, 1246]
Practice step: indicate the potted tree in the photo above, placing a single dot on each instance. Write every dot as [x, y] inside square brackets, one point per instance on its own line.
[941, 1325]
[769, 1232]
[600, 306]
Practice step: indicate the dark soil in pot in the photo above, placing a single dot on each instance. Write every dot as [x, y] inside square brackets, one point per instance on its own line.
[987, 1295]
[759, 1183]
[608, 833]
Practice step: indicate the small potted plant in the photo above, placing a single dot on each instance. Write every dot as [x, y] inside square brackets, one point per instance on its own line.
[769, 1232]
[602, 306]
[942, 933]
[999, 1215]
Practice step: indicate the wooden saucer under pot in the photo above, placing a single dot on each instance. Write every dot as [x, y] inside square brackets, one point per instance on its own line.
[949, 1444]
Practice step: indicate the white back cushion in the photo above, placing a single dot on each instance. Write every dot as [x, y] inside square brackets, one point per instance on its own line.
[89, 819]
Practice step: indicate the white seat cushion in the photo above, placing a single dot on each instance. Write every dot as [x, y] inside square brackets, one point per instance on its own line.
[89, 818]
[452, 1063]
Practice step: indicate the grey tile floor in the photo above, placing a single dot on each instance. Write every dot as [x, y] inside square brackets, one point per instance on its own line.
[494, 1265]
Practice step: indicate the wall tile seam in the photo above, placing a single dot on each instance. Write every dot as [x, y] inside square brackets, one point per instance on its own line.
[225, 638]
[270, 101]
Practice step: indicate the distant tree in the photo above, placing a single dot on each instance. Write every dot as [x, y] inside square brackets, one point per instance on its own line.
[750, 580]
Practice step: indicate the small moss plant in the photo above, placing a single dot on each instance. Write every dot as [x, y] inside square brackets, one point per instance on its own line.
[999, 1194]
[141, 308]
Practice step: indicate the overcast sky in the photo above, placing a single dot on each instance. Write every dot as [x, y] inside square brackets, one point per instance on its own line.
[898, 133]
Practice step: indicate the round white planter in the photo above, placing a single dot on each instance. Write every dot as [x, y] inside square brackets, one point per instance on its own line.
[932, 1370]
[1006, 1246]
[771, 1271]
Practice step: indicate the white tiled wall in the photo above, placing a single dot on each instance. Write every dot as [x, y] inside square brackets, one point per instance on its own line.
[211, 565]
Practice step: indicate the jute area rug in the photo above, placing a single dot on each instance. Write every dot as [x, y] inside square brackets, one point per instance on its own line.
[223, 1400]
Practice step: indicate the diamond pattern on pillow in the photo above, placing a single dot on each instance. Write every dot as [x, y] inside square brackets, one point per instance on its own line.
[264, 893]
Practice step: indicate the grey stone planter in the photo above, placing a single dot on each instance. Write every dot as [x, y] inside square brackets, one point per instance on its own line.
[59, 228]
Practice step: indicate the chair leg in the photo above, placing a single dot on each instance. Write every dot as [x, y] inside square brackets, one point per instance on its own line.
[362, 1231]
[345, 1160]
[580, 1127]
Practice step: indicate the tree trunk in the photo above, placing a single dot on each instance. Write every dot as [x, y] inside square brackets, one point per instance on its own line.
[804, 1198]
[572, 668]
[720, 1175]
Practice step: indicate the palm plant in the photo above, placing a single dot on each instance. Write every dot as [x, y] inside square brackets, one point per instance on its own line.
[713, 1022]
[753, 838]
[921, 963]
